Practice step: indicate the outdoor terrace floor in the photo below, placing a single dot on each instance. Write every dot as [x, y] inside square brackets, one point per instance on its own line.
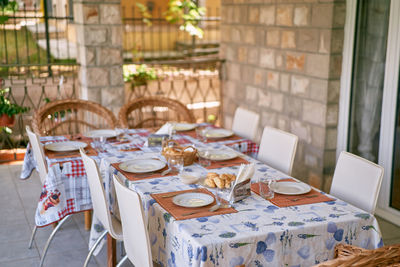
[18, 200]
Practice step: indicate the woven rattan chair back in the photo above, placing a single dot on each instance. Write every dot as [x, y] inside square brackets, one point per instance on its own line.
[348, 255]
[72, 116]
[154, 111]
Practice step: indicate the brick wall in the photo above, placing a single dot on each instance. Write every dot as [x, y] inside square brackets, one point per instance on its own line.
[283, 60]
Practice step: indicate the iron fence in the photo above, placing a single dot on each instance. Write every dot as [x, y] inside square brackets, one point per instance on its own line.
[163, 41]
[37, 63]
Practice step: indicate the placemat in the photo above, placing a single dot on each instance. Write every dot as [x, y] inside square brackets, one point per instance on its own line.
[193, 134]
[141, 176]
[283, 201]
[177, 211]
[227, 163]
[90, 151]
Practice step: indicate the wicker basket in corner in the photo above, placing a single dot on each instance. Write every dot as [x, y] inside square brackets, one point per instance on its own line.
[189, 153]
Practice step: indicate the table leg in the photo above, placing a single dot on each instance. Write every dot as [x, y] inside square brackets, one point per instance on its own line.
[111, 251]
[88, 219]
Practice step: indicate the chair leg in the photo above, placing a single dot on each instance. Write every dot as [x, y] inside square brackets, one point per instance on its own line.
[88, 219]
[103, 234]
[122, 261]
[46, 247]
[32, 236]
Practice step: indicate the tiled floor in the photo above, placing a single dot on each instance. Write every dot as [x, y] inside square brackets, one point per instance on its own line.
[18, 199]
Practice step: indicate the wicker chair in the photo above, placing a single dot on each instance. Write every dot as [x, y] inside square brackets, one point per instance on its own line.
[154, 111]
[347, 255]
[72, 116]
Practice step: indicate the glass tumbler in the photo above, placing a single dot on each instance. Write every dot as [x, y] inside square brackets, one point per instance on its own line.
[176, 163]
[201, 133]
[266, 184]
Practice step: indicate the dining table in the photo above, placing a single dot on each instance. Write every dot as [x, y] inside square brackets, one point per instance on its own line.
[284, 231]
[66, 191]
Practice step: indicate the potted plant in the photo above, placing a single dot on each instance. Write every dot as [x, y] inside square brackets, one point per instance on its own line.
[8, 110]
[140, 75]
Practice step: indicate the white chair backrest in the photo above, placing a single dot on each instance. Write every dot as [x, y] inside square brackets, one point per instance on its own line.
[136, 237]
[245, 123]
[38, 152]
[277, 149]
[357, 181]
[98, 195]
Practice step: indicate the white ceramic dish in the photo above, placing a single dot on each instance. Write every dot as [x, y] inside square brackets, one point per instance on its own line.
[142, 165]
[193, 200]
[105, 133]
[291, 188]
[218, 133]
[181, 127]
[65, 146]
[218, 154]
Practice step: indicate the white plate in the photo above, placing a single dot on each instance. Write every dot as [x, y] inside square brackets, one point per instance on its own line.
[107, 133]
[218, 133]
[142, 165]
[218, 154]
[193, 200]
[65, 146]
[181, 127]
[291, 188]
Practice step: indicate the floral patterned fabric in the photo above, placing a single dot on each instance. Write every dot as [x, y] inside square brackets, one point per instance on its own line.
[260, 234]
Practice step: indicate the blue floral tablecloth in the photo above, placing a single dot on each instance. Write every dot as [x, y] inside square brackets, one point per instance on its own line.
[260, 234]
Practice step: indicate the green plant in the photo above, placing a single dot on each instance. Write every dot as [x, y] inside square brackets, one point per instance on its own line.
[140, 75]
[6, 7]
[8, 108]
[185, 12]
[188, 14]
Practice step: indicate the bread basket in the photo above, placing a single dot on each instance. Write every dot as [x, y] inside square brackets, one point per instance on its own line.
[189, 153]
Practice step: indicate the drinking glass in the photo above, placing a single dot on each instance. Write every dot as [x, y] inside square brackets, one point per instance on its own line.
[176, 163]
[204, 158]
[201, 133]
[266, 184]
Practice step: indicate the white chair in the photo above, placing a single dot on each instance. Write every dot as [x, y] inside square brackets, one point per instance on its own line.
[357, 181]
[38, 153]
[277, 149]
[111, 225]
[136, 238]
[245, 123]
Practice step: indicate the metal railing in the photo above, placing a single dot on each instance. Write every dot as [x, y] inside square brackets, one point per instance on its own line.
[31, 39]
[37, 63]
[165, 41]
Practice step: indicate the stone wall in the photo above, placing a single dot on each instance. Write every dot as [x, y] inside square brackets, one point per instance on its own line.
[283, 60]
[99, 45]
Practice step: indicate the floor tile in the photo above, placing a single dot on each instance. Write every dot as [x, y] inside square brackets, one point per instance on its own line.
[15, 232]
[18, 250]
[70, 258]
[388, 229]
[32, 262]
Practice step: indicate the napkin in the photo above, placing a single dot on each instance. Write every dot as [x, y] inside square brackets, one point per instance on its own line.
[165, 129]
[241, 187]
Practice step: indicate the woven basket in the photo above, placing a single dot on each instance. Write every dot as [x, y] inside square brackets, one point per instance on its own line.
[351, 256]
[189, 153]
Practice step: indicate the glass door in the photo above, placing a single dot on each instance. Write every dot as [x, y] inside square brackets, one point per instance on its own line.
[369, 116]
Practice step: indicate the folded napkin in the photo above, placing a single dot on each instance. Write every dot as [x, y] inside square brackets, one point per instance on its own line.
[167, 128]
[241, 187]
[179, 212]
[283, 201]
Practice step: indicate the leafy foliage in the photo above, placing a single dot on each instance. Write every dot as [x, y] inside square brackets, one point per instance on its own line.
[7, 6]
[141, 75]
[185, 12]
[188, 14]
[6, 107]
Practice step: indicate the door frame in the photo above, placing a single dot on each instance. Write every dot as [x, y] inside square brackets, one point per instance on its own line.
[389, 100]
